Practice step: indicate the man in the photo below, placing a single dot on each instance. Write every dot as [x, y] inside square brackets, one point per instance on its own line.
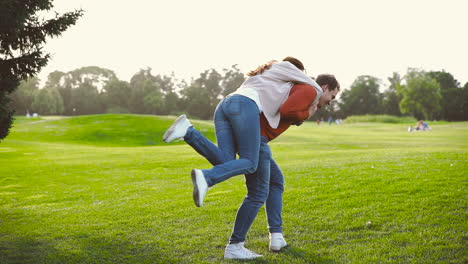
[266, 185]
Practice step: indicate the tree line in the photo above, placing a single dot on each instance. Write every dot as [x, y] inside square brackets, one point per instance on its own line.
[434, 95]
[95, 90]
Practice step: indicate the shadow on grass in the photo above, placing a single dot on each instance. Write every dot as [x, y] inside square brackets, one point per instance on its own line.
[288, 255]
[22, 250]
[27, 250]
[307, 256]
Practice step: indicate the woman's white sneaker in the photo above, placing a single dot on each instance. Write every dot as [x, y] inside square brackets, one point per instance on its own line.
[178, 129]
[200, 186]
[238, 251]
[277, 242]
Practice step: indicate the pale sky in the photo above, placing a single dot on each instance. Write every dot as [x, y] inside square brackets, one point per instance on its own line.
[347, 38]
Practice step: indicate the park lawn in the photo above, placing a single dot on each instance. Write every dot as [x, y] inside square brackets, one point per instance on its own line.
[104, 189]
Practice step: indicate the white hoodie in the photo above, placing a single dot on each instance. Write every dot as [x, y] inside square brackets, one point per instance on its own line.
[271, 88]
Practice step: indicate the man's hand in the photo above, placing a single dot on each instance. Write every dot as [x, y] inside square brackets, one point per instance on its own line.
[297, 123]
[312, 110]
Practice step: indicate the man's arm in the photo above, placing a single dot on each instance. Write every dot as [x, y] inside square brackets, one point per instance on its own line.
[298, 106]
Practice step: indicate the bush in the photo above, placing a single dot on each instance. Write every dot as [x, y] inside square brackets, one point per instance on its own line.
[380, 119]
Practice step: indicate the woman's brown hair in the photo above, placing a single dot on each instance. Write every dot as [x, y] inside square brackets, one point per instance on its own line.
[260, 69]
[295, 62]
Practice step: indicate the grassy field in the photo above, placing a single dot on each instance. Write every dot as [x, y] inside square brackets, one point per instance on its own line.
[104, 189]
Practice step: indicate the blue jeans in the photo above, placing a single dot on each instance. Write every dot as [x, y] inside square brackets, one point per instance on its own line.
[237, 124]
[264, 185]
[274, 203]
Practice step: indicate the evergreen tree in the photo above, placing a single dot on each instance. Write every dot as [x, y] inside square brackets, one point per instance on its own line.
[23, 33]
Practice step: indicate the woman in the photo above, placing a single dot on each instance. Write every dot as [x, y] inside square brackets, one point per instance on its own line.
[258, 184]
[237, 123]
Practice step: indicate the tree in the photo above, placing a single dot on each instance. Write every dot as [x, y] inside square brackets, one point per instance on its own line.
[390, 99]
[166, 101]
[201, 97]
[171, 103]
[6, 115]
[115, 96]
[165, 83]
[232, 80]
[142, 84]
[56, 80]
[23, 34]
[85, 100]
[363, 97]
[420, 96]
[92, 75]
[452, 104]
[154, 103]
[23, 96]
[195, 101]
[90, 81]
[452, 96]
[47, 101]
[445, 79]
[465, 102]
[210, 80]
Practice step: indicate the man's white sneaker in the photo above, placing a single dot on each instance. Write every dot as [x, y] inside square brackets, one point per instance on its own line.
[178, 129]
[238, 251]
[200, 186]
[277, 241]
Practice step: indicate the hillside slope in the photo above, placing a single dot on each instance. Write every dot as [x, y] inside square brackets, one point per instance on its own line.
[101, 130]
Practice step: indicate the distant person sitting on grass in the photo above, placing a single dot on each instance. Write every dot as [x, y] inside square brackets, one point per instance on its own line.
[421, 125]
[426, 126]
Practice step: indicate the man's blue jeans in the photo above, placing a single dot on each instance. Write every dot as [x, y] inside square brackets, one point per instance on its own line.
[264, 185]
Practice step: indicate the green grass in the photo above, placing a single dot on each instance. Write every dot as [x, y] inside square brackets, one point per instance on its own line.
[100, 130]
[69, 196]
[381, 119]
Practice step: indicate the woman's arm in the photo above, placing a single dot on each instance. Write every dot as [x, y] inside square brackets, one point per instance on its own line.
[287, 72]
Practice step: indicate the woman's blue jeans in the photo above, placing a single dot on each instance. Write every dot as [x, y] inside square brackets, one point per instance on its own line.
[237, 127]
[237, 124]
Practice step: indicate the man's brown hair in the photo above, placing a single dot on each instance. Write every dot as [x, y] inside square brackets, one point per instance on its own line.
[324, 79]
